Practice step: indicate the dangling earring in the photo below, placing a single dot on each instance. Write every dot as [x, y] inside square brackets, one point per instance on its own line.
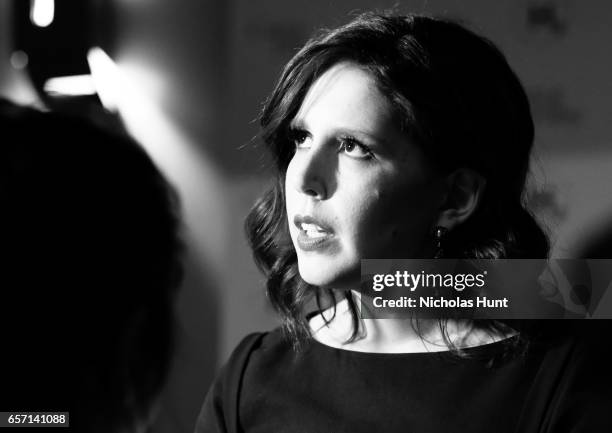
[439, 235]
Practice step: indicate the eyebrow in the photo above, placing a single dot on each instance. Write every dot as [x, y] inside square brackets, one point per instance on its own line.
[297, 123]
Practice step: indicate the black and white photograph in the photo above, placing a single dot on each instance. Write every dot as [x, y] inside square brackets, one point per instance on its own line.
[324, 216]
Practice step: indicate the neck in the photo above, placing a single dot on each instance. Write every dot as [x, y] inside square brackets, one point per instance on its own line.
[397, 335]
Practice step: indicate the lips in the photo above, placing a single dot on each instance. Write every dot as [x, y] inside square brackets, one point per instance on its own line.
[313, 233]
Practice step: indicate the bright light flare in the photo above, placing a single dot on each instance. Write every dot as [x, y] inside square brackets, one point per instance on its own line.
[42, 12]
[136, 93]
[106, 78]
[72, 85]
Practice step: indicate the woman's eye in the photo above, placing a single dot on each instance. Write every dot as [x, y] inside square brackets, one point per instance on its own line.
[353, 148]
[299, 138]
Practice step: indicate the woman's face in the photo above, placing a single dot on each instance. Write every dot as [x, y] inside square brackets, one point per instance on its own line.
[357, 187]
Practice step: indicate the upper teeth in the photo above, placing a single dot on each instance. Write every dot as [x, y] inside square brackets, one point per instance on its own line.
[311, 228]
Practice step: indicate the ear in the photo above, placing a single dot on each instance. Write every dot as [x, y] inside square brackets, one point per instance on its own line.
[464, 190]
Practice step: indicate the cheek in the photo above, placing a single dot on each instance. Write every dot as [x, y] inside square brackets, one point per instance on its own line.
[398, 222]
[373, 217]
[291, 203]
[290, 192]
[288, 177]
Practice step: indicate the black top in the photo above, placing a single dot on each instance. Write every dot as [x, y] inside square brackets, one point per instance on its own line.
[564, 386]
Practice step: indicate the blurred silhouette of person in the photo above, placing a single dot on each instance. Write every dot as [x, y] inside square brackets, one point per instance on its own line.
[90, 235]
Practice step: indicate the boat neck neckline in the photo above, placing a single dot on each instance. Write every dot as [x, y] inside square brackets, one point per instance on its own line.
[482, 349]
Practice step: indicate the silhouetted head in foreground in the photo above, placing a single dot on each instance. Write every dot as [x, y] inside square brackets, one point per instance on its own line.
[89, 232]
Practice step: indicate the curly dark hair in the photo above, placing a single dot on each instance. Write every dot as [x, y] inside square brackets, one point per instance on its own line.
[455, 95]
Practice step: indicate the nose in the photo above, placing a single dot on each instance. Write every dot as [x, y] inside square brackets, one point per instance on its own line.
[312, 171]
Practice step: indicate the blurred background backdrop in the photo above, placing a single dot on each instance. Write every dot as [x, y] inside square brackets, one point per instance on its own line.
[187, 78]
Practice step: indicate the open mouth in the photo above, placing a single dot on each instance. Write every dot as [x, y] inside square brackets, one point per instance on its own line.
[312, 233]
